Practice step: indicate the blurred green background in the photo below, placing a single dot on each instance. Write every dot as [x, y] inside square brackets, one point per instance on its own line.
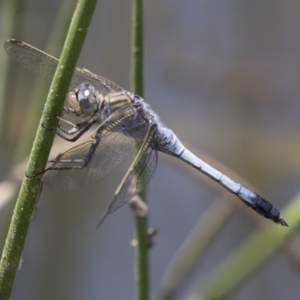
[224, 76]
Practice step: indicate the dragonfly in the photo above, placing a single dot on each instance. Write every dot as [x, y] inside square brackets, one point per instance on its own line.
[119, 125]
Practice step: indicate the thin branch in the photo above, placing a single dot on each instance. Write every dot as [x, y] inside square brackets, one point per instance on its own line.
[142, 272]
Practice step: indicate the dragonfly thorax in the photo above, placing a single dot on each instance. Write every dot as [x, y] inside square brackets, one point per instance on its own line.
[84, 100]
[120, 99]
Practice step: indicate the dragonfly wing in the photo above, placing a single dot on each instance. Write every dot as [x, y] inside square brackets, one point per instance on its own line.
[102, 84]
[44, 66]
[95, 156]
[38, 62]
[111, 150]
[137, 177]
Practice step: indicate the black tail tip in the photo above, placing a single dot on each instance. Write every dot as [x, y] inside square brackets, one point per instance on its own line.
[282, 221]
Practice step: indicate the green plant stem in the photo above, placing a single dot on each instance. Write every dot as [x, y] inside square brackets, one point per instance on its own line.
[137, 58]
[31, 187]
[142, 277]
[32, 111]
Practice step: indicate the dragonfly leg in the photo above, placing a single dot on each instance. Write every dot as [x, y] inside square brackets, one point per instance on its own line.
[79, 128]
[81, 163]
[49, 116]
[76, 131]
[36, 174]
[69, 111]
[48, 128]
[61, 127]
[69, 163]
[74, 127]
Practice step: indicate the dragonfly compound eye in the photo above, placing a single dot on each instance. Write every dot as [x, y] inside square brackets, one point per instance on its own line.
[87, 98]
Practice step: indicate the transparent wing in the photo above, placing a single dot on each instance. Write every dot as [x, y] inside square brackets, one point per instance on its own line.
[95, 156]
[137, 177]
[44, 66]
[111, 149]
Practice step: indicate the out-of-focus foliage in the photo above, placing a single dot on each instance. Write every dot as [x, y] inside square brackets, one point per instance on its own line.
[224, 75]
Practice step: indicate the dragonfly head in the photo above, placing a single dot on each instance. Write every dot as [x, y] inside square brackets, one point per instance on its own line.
[84, 100]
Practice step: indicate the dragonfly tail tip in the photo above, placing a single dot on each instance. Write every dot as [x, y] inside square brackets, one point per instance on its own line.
[283, 222]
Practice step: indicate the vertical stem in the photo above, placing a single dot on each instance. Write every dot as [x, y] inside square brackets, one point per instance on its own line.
[31, 187]
[142, 277]
[137, 59]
